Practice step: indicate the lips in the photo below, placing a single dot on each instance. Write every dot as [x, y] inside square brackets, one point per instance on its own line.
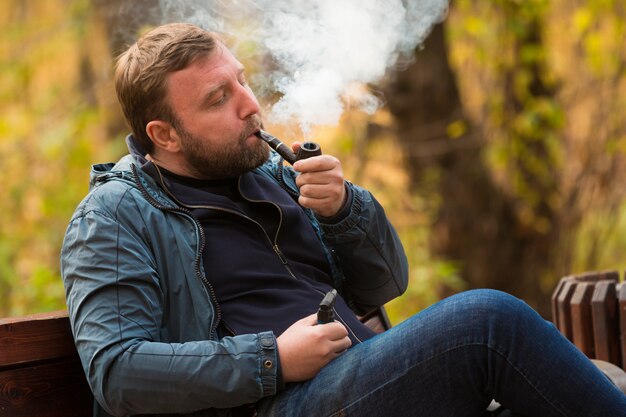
[253, 126]
[256, 130]
[249, 132]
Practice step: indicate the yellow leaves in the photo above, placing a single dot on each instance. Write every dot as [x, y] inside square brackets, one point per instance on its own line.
[582, 20]
[528, 218]
[457, 129]
[48, 138]
[475, 26]
[539, 117]
[601, 33]
[616, 145]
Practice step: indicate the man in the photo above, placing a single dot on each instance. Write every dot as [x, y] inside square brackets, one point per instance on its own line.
[194, 267]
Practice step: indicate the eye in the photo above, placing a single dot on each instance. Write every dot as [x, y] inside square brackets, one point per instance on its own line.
[221, 100]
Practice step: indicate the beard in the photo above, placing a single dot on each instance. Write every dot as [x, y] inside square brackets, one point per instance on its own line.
[229, 160]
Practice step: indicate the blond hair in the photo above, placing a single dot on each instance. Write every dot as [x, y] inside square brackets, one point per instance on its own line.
[141, 73]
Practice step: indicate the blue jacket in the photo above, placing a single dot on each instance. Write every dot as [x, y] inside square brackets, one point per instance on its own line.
[142, 309]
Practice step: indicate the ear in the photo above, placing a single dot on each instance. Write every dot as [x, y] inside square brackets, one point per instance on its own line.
[163, 135]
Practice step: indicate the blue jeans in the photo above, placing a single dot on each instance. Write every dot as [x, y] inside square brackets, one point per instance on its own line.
[451, 360]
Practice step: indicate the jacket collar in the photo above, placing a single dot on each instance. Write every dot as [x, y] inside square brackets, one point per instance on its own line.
[128, 169]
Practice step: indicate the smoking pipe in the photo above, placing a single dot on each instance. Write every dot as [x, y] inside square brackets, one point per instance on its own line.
[307, 149]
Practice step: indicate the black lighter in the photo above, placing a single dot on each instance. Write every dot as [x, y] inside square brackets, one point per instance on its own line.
[325, 313]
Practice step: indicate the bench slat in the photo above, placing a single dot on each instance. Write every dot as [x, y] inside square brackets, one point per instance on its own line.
[52, 390]
[622, 319]
[377, 320]
[35, 338]
[605, 328]
[582, 330]
[554, 301]
[564, 317]
[596, 276]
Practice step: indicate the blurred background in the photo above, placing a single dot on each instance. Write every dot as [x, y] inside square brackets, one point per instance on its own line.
[498, 153]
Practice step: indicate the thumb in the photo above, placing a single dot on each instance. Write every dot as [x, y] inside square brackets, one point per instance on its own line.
[295, 147]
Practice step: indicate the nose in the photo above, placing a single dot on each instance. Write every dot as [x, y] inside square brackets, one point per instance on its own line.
[248, 104]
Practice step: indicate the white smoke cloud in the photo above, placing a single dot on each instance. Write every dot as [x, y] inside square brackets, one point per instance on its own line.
[325, 49]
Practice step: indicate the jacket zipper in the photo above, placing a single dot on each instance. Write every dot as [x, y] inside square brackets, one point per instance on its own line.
[281, 181]
[275, 246]
[283, 258]
[274, 243]
[199, 273]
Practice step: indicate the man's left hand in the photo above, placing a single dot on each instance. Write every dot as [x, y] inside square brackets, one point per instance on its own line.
[321, 184]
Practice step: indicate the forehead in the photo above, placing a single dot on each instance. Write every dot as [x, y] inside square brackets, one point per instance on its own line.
[204, 73]
[219, 57]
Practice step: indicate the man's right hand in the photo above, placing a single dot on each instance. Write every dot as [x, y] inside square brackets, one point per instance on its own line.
[305, 347]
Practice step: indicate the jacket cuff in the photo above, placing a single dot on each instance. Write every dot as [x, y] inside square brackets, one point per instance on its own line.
[271, 377]
[280, 382]
[353, 206]
[343, 212]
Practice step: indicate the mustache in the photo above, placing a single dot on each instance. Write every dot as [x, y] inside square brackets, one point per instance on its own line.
[253, 125]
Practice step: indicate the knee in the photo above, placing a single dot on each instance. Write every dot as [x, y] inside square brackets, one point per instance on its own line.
[489, 299]
[493, 307]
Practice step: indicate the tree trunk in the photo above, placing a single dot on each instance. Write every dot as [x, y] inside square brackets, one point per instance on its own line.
[476, 225]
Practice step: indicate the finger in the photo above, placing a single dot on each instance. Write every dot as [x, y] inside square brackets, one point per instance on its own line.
[295, 147]
[320, 177]
[334, 331]
[317, 163]
[324, 208]
[324, 204]
[340, 346]
[322, 191]
[343, 345]
[325, 197]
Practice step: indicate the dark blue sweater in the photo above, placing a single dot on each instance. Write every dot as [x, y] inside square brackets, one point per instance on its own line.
[261, 254]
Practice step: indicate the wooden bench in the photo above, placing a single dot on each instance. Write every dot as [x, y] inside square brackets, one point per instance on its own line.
[590, 310]
[41, 374]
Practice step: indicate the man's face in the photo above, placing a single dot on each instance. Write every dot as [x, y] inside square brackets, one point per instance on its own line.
[216, 117]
